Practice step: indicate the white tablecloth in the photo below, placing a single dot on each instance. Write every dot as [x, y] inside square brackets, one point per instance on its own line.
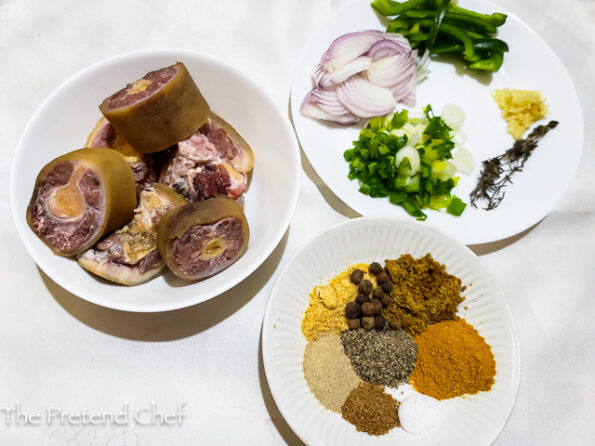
[60, 353]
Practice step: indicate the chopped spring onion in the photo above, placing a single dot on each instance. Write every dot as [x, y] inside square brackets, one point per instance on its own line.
[408, 159]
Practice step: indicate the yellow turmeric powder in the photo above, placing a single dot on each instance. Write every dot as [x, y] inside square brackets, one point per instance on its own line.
[326, 308]
[452, 360]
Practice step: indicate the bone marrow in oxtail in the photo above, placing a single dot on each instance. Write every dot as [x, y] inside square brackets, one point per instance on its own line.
[155, 112]
[143, 166]
[201, 239]
[129, 256]
[79, 197]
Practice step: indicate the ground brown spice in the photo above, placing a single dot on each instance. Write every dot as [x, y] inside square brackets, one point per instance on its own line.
[371, 410]
[328, 371]
[452, 360]
[326, 309]
[423, 293]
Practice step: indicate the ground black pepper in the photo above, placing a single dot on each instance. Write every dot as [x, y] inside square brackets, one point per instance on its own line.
[384, 357]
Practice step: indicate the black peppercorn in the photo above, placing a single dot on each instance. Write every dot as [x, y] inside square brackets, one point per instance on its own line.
[378, 293]
[368, 308]
[387, 287]
[379, 322]
[382, 277]
[365, 287]
[396, 325]
[362, 299]
[368, 322]
[353, 310]
[375, 268]
[353, 324]
[377, 305]
[356, 276]
[386, 300]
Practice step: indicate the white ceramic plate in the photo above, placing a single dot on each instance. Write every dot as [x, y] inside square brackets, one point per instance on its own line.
[473, 420]
[530, 64]
[66, 117]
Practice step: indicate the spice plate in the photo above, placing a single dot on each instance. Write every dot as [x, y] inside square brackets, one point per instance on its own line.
[531, 64]
[469, 420]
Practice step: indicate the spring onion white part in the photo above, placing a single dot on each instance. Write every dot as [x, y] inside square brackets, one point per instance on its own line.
[362, 75]
[412, 155]
[453, 116]
[463, 160]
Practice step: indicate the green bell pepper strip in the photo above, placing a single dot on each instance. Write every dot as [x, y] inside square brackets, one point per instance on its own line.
[497, 19]
[454, 19]
[439, 17]
[492, 63]
[460, 35]
[489, 45]
[390, 7]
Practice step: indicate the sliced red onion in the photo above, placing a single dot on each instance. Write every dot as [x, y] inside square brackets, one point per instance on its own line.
[326, 79]
[422, 65]
[348, 47]
[364, 99]
[382, 71]
[388, 47]
[323, 104]
[404, 91]
[362, 75]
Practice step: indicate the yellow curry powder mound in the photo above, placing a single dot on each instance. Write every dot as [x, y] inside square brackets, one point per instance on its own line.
[520, 108]
[326, 308]
[452, 360]
[423, 293]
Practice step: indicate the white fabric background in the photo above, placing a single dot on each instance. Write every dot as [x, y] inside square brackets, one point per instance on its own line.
[59, 351]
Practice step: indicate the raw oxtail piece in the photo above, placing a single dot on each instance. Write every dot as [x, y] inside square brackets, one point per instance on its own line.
[79, 197]
[158, 110]
[230, 145]
[198, 170]
[201, 239]
[129, 256]
[104, 135]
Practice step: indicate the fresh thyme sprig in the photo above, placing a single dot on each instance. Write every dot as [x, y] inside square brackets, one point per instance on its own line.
[497, 172]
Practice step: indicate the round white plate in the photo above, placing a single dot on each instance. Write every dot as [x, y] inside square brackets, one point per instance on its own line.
[472, 420]
[531, 64]
[66, 117]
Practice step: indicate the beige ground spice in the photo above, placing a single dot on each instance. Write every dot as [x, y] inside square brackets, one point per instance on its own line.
[423, 293]
[326, 308]
[371, 410]
[328, 371]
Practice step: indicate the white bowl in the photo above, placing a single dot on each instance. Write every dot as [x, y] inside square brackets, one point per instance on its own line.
[472, 420]
[65, 118]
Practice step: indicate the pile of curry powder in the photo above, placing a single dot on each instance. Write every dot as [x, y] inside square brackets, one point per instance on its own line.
[423, 293]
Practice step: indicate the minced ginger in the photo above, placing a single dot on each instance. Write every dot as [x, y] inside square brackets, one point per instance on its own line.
[520, 108]
[326, 309]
